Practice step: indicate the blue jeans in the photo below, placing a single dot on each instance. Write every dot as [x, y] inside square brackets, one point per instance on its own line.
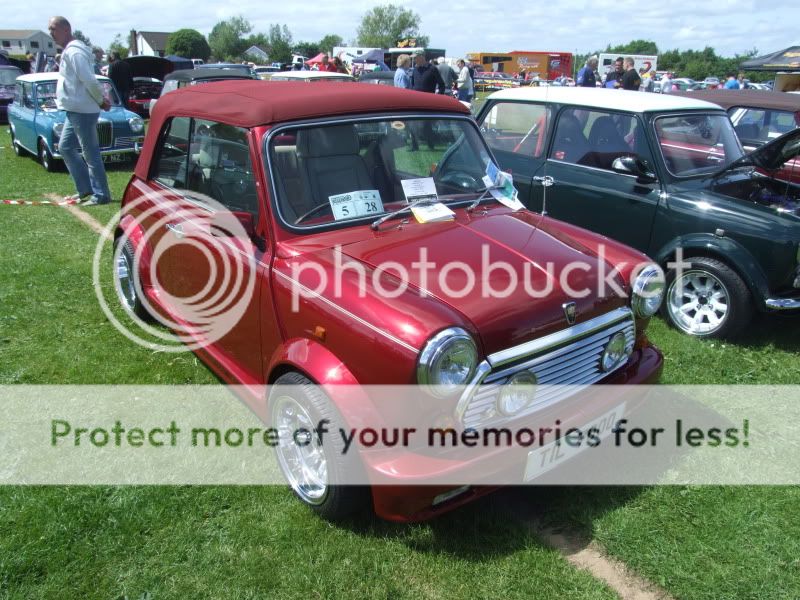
[87, 171]
[464, 95]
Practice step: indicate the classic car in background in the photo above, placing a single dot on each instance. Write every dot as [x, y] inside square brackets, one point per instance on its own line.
[142, 94]
[265, 72]
[239, 68]
[490, 81]
[377, 77]
[148, 74]
[309, 171]
[36, 123]
[659, 172]
[759, 117]
[179, 79]
[311, 76]
[8, 77]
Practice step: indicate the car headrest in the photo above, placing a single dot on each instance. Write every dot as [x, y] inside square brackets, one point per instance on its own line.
[327, 141]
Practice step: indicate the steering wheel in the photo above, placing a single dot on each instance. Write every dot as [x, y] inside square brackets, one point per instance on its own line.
[460, 179]
[309, 213]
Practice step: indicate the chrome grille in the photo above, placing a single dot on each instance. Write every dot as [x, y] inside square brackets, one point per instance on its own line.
[104, 133]
[569, 358]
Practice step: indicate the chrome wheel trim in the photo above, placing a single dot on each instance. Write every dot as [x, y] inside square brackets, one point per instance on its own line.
[698, 302]
[126, 288]
[304, 466]
[44, 156]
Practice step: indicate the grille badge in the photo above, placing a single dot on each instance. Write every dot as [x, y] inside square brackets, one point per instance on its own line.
[570, 312]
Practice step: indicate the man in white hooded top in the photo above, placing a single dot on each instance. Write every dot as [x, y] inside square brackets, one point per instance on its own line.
[80, 95]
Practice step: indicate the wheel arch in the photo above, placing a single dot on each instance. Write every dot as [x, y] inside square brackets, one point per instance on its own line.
[727, 251]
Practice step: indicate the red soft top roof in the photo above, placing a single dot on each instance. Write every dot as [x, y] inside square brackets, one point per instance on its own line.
[252, 103]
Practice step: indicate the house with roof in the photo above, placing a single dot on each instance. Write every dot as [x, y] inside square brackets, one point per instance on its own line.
[26, 41]
[149, 43]
[257, 52]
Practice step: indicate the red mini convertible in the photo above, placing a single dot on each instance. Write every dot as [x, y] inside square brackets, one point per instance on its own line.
[329, 200]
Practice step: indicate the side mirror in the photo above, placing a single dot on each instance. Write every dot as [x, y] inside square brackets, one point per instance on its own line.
[628, 165]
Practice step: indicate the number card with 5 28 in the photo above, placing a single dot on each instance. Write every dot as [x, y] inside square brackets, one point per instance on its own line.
[351, 205]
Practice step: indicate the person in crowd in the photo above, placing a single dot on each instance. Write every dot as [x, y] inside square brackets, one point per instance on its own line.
[448, 74]
[614, 78]
[327, 65]
[119, 72]
[402, 78]
[464, 85]
[648, 81]
[339, 66]
[631, 80]
[587, 76]
[742, 83]
[80, 96]
[731, 83]
[425, 77]
[666, 84]
[98, 60]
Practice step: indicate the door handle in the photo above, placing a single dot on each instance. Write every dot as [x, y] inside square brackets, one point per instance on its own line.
[546, 181]
[176, 229]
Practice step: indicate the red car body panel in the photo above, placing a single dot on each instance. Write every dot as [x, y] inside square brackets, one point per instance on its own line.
[363, 338]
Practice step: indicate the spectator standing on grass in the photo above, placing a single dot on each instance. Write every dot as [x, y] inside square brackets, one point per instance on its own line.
[587, 76]
[119, 72]
[742, 83]
[466, 89]
[327, 65]
[80, 96]
[630, 79]
[402, 79]
[425, 77]
[731, 83]
[447, 73]
[666, 83]
[614, 78]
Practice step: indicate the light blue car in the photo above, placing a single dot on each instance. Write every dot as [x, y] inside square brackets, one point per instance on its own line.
[36, 123]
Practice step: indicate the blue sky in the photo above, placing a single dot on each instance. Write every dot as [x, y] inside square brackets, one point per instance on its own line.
[730, 27]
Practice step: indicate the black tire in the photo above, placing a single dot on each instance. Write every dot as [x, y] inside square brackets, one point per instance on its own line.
[46, 159]
[337, 501]
[711, 300]
[127, 281]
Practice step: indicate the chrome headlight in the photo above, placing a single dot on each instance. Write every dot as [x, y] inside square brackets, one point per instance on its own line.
[616, 353]
[137, 125]
[648, 292]
[57, 129]
[447, 361]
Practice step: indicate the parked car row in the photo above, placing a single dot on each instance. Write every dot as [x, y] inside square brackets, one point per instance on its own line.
[35, 123]
[661, 173]
[306, 172]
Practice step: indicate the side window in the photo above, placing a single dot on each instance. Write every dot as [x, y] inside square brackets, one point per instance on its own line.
[597, 138]
[517, 134]
[18, 94]
[220, 167]
[170, 168]
[27, 95]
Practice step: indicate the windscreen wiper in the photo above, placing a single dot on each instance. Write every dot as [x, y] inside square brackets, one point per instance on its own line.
[376, 224]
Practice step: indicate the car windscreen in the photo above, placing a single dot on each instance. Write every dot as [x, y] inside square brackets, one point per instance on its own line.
[355, 171]
[9, 76]
[697, 144]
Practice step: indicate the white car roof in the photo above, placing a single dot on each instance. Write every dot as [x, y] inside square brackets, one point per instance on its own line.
[603, 98]
[309, 75]
[37, 77]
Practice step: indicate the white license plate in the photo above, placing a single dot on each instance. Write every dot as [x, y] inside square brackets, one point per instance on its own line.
[541, 460]
[113, 158]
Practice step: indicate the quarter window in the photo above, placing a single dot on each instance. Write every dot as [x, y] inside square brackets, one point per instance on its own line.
[170, 168]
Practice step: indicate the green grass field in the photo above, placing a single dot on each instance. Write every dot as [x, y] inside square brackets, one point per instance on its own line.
[256, 542]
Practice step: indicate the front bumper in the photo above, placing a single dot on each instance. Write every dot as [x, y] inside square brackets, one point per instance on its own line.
[408, 498]
[781, 304]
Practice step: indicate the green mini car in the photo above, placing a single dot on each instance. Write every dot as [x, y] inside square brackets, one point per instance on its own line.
[668, 176]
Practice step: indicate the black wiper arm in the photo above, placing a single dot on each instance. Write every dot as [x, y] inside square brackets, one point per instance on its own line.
[482, 197]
